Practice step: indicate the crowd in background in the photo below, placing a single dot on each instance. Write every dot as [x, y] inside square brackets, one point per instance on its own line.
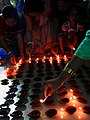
[53, 26]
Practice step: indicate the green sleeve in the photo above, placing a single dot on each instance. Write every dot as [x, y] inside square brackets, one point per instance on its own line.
[83, 50]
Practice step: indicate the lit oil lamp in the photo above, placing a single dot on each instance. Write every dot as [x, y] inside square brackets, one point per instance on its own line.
[43, 100]
[79, 117]
[43, 59]
[79, 113]
[80, 108]
[17, 66]
[29, 60]
[73, 100]
[37, 60]
[62, 113]
[71, 90]
[13, 70]
[58, 59]
[9, 71]
[50, 60]
[73, 48]
[20, 61]
[65, 58]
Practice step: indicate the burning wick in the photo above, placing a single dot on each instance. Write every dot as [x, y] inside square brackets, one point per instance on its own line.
[43, 100]
[73, 48]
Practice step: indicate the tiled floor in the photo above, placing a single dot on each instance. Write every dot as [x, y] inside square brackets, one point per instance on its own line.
[19, 92]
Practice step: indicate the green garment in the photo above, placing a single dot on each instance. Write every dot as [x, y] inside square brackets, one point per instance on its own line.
[83, 50]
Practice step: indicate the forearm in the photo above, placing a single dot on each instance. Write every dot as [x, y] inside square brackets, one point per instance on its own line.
[20, 44]
[28, 36]
[75, 41]
[60, 39]
[71, 67]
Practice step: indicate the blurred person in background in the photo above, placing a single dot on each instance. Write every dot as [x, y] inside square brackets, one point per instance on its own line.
[39, 28]
[11, 33]
[69, 38]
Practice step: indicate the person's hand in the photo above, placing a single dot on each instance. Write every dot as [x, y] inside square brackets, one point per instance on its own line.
[12, 58]
[21, 57]
[54, 49]
[28, 51]
[72, 47]
[29, 48]
[50, 87]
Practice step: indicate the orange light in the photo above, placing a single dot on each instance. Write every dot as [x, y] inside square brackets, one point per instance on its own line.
[79, 117]
[73, 100]
[80, 108]
[43, 100]
[71, 90]
[20, 61]
[50, 60]
[62, 116]
[17, 66]
[65, 58]
[62, 113]
[74, 97]
[74, 105]
[58, 58]
[29, 60]
[80, 113]
[62, 109]
[37, 60]
[73, 48]
[43, 59]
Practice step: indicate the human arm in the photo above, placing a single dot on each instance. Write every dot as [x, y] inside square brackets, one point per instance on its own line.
[61, 44]
[28, 35]
[9, 51]
[20, 45]
[71, 67]
[73, 45]
[3, 42]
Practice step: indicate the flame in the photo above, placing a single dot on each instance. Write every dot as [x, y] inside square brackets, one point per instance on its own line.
[29, 60]
[79, 117]
[71, 90]
[80, 108]
[41, 100]
[62, 113]
[37, 60]
[65, 58]
[43, 59]
[50, 60]
[58, 59]
[73, 48]
[13, 70]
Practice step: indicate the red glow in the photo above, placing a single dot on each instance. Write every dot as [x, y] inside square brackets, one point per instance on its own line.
[50, 60]
[37, 60]
[58, 58]
[43, 59]
[73, 48]
[65, 58]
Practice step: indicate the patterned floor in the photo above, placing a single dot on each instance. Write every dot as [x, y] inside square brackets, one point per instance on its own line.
[21, 92]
